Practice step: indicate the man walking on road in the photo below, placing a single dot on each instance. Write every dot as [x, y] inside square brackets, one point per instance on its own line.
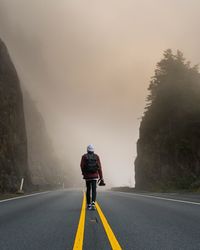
[91, 171]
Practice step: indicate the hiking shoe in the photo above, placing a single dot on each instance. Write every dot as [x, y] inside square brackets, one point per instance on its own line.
[89, 206]
[93, 206]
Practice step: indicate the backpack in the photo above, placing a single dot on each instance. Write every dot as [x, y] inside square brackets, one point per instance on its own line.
[91, 165]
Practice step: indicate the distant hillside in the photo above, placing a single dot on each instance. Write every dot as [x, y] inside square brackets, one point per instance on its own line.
[13, 145]
[168, 149]
[44, 166]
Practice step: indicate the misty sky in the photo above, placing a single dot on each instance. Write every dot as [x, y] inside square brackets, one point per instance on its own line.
[87, 64]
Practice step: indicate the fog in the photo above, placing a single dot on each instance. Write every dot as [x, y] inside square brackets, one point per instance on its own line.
[87, 65]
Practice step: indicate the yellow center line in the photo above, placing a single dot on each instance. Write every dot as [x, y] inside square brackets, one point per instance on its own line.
[78, 243]
[111, 237]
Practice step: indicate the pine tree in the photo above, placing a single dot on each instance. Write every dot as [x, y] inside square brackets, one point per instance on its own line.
[174, 89]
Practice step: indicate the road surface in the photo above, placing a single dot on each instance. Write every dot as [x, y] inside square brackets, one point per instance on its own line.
[51, 220]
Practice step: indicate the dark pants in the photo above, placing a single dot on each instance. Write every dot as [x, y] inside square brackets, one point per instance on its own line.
[91, 184]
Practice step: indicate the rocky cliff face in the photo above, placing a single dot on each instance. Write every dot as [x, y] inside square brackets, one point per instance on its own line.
[44, 166]
[169, 158]
[168, 149]
[13, 144]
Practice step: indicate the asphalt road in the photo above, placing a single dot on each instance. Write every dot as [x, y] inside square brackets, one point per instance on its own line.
[50, 221]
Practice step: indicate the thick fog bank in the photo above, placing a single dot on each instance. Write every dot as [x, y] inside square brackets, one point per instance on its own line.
[87, 65]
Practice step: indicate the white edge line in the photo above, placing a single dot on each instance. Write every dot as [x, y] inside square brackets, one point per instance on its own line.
[24, 196]
[157, 197]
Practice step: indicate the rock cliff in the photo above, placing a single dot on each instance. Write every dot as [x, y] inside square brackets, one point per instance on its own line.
[168, 149]
[13, 143]
[44, 166]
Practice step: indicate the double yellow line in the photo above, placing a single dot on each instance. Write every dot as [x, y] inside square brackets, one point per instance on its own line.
[78, 244]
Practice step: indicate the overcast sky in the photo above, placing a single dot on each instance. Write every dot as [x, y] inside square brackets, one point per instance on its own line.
[87, 64]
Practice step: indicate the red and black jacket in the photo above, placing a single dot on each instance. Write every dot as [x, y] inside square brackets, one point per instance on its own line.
[97, 174]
